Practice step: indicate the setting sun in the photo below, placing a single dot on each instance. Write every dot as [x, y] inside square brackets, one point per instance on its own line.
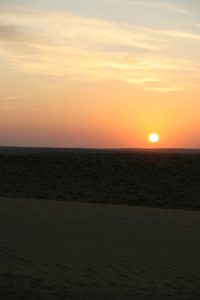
[154, 138]
[104, 74]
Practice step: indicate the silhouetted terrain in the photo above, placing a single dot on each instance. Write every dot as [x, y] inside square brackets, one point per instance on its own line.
[80, 251]
[157, 178]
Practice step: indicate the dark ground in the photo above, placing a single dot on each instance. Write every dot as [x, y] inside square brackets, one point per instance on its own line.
[63, 250]
[159, 178]
[82, 251]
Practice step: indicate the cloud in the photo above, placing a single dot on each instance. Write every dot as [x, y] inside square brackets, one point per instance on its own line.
[64, 44]
[162, 5]
[179, 34]
[159, 4]
[12, 33]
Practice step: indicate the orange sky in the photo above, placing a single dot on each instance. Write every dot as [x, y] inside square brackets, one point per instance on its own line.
[72, 76]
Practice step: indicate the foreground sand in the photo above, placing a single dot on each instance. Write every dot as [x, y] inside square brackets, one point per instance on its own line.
[63, 250]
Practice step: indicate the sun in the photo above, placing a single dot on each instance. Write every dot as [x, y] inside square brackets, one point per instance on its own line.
[154, 138]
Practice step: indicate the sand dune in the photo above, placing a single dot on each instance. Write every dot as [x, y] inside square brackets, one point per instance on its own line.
[63, 250]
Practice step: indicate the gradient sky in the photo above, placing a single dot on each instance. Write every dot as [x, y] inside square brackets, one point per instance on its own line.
[99, 73]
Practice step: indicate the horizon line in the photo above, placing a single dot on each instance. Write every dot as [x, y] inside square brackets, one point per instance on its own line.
[98, 148]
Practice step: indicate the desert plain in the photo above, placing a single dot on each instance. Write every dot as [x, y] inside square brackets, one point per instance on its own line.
[59, 241]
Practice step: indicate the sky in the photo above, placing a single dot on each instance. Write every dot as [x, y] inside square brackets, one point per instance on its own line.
[99, 73]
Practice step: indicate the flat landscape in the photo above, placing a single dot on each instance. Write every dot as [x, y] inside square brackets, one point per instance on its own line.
[100, 150]
[151, 178]
[65, 250]
[86, 224]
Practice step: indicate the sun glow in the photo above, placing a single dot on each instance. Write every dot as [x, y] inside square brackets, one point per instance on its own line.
[154, 138]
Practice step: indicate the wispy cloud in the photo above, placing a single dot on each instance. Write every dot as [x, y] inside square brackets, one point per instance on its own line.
[162, 5]
[9, 32]
[159, 4]
[178, 34]
[64, 44]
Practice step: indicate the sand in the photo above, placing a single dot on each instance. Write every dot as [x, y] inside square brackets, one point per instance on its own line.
[64, 250]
